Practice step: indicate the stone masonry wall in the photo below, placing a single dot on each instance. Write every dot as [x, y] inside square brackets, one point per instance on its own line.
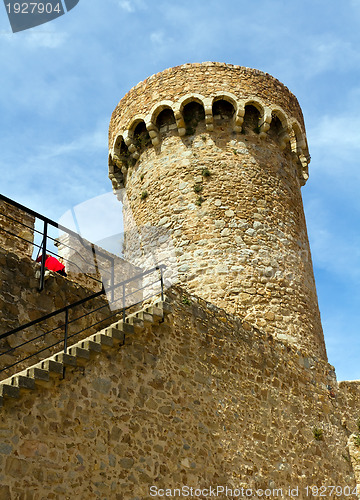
[91, 266]
[201, 400]
[16, 225]
[350, 394]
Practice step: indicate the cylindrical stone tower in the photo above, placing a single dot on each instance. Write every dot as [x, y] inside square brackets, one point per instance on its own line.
[217, 154]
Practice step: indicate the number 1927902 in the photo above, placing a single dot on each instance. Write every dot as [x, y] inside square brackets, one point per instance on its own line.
[33, 8]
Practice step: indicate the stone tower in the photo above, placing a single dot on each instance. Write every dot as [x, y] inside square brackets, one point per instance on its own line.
[217, 154]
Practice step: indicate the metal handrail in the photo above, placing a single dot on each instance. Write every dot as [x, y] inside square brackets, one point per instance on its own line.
[69, 307]
[47, 221]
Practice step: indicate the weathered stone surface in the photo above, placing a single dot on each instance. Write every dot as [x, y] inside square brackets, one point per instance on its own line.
[234, 190]
[222, 405]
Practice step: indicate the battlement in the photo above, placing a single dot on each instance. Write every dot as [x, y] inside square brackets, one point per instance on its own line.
[162, 103]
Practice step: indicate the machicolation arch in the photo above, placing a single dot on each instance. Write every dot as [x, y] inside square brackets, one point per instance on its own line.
[184, 115]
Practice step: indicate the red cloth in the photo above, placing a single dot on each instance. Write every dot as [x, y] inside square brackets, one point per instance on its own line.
[52, 263]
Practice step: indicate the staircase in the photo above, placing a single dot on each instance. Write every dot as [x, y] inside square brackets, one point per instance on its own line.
[42, 373]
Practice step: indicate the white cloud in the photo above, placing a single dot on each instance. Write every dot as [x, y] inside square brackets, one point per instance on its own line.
[131, 5]
[334, 144]
[338, 132]
[48, 39]
[127, 5]
[333, 247]
[36, 38]
[86, 143]
[157, 37]
[328, 52]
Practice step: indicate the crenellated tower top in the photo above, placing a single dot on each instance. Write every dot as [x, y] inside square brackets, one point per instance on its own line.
[205, 83]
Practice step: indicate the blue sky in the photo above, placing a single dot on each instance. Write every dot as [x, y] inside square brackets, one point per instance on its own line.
[61, 81]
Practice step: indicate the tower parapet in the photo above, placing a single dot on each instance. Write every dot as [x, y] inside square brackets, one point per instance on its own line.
[217, 154]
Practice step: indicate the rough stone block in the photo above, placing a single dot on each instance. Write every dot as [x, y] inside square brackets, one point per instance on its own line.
[91, 346]
[23, 382]
[66, 359]
[81, 355]
[53, 367]
[7, 390]
[40, 376]
[104, 340]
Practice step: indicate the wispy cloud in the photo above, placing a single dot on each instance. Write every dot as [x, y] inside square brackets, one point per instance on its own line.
[48, 37]
[86, 143]
[335, 247]
[131, 5]
[328, 52]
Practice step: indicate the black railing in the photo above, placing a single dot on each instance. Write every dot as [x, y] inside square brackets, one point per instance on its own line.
[67, 322]
[45, 238]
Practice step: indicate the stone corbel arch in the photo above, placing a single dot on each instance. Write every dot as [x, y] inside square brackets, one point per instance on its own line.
[179, 106]
[129, 140]
[115, 150]
[298, 141]
[265, 117]
[284, 136]
[116, 162]
[150, 119]
[231, 98]
[304, 173]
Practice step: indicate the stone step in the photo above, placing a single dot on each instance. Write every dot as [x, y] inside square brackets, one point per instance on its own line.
[124, 328]
[156, 312]
[8, 390]
[117, 335]
[82, 355]
[104, 340]
[55, 368]
[146, 317]
[23, 382]
[65, 359]
[79, 354]
[91, 346]
[165, 306]
[41, 377]
[136, 322]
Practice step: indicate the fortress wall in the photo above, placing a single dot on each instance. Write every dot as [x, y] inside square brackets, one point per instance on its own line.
[16, 225]
[350, 390]
[350, 394]
[21, 302]
[86, 262]
[200, 400]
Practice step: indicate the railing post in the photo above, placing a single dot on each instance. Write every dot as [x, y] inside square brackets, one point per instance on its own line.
[66, 329]
[43, 258]
[161, 282]
[112, 278]
[123, 300]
